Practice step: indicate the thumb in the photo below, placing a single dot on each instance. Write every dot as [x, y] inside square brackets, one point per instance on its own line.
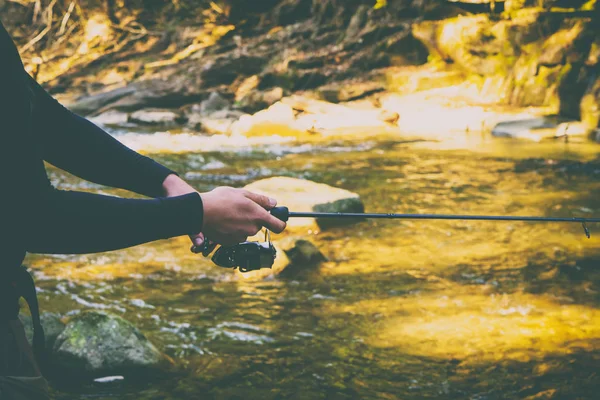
[198, 240]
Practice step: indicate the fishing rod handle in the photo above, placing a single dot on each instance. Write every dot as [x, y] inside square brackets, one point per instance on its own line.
[281, 213]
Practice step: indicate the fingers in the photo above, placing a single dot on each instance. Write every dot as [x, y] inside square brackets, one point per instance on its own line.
[265, 202]
[272, 223]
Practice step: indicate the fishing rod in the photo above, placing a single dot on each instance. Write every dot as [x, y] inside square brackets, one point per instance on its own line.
[252, 256]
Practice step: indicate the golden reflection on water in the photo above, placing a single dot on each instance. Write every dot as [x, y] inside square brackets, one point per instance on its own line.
[482, 327]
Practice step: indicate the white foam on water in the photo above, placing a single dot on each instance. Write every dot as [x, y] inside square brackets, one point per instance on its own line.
[166, 142]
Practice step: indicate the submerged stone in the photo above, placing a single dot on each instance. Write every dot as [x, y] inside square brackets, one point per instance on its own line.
[303, 257]
[96, 344]
[535, 129]
[305, 195]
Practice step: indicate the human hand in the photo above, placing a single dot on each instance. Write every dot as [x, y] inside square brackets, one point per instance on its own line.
[231, 215]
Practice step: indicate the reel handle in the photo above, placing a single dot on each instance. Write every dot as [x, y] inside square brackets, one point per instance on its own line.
[281, 213]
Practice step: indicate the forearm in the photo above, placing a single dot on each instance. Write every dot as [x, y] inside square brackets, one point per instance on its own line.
[76, 145]
[76, 222]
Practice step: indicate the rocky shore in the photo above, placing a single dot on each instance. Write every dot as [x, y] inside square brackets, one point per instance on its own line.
[368, 70]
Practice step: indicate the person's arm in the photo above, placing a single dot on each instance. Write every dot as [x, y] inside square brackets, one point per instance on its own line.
[76, 145]
[78, 223]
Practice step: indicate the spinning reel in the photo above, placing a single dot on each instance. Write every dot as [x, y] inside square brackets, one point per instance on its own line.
[247, 256]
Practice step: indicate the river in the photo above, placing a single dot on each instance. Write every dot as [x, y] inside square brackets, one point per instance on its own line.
[402, 309]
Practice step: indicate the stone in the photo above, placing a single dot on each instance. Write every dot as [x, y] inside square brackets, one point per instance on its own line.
[304, 195]
[226, 69]
[279, 119]
[169, 94]
[157, 117]
[53, 327]
[111, 118]
[216, 126]
[91, 104]
[535, 129]
[217, 123]
[303, 257]
[214, 103]
[257, 100]
[348, 91]
[96, 344]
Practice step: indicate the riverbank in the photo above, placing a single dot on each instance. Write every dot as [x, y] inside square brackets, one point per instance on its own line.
[371, 69]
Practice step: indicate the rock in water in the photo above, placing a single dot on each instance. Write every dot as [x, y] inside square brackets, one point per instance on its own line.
[214, 103]
[303, 257]
[304, 195]
[97, 344]
[157, 117]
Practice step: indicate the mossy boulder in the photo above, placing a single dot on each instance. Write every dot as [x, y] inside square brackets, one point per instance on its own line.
[95, 344]
[304, 195]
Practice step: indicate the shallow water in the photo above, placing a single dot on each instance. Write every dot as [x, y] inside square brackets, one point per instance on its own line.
[410, 310]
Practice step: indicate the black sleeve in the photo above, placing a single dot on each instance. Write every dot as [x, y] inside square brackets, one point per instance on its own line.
[76, 222]
[76, 145]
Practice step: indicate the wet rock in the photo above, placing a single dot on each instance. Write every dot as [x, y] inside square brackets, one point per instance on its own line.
[257, 100]
[304, 195]
[224, 70]
[348, 91]
[405, 49]
[216, 126]
[95, 344]
[91, 104]
[111, 118]
[534, 129]
[53, 327]
[157, 117]
[279, 119]
[217, 123]
[571, 129]
[299, 116]
[214, 103]
[303, 257]
[157, 93]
